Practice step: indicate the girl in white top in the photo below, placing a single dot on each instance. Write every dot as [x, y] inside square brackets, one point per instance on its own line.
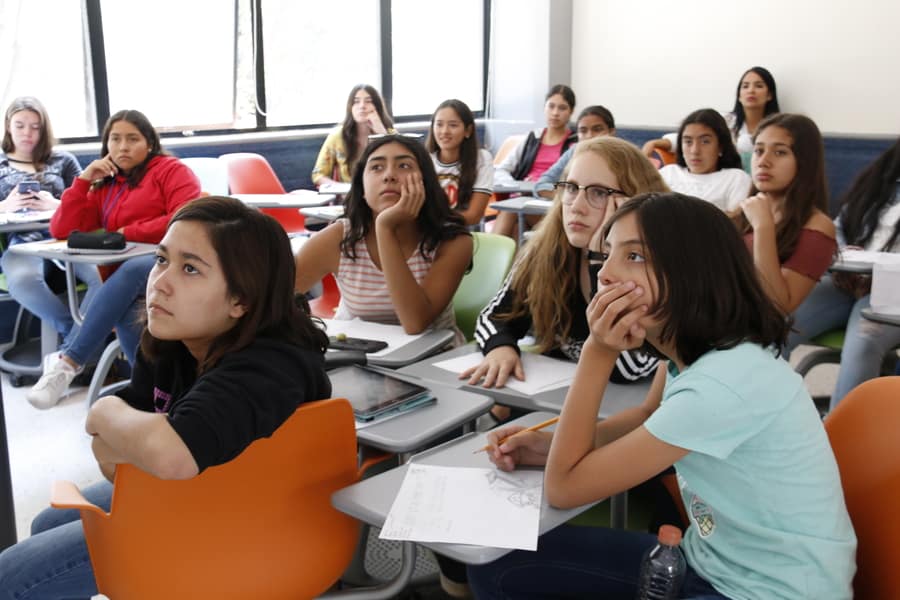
[465, 171]
[401, 252]
[755, 99]
[708, 166]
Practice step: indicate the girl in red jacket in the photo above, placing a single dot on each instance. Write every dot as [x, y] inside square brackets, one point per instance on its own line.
[134, 188]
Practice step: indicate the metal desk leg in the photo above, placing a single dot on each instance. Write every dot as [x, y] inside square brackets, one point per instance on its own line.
[520, 216]
[8, 535]
[618, 511]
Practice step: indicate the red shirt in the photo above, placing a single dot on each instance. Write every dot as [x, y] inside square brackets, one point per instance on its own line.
[143, 211]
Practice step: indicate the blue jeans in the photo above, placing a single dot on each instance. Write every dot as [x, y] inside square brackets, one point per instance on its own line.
[115, 305]
[54, 561]
[28, 286]
[576, 562]
[865, 342]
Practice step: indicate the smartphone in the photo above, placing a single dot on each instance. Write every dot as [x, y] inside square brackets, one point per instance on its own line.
[341, 342]
[29, 187]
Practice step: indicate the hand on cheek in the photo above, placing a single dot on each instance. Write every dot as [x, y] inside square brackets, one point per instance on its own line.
[614, 316]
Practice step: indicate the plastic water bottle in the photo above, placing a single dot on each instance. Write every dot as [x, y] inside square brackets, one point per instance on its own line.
[663, 567]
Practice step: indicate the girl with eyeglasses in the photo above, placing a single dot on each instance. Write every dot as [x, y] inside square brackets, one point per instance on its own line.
[550, 285]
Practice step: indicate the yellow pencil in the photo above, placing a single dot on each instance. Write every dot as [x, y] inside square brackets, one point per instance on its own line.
[537, 427]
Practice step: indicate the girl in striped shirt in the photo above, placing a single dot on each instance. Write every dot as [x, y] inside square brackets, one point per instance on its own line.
[400, 252]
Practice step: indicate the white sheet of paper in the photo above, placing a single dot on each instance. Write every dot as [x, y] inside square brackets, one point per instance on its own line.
[392, 334]
[464, 505]
[542, 373]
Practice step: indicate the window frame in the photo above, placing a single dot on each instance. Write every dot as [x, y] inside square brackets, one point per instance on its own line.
[101, 83]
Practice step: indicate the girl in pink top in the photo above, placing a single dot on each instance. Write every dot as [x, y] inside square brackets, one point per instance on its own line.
[785, 220]
[400, 253]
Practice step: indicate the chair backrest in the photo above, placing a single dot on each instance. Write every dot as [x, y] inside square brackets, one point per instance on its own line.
[863, 433]
[491, 260]
[251, 173]
[260, 526]
[506, 147]
[212, 173]
[324, 306]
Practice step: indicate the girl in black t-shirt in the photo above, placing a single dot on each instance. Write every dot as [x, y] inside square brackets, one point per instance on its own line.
[226, 356]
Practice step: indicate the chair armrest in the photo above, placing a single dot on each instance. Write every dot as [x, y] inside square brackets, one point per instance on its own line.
[65, 494]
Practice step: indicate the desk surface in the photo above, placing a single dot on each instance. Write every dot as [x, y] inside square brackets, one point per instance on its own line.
[298, 199]
[394, 357]
[325, 213]
[335, 187]
[370, 500]
[513, 187]
[617, 398]
[417, 428]
[879, 317]
[56, 250]
[527, 205]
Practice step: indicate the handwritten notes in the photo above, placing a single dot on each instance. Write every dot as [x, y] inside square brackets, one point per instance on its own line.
[463, 505]
[542, 373]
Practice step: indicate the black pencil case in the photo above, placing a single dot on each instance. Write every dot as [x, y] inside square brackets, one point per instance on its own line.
[97, 240]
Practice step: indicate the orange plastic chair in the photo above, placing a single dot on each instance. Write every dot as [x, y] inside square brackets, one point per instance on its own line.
[325, 305]
[250, 173]
[863, 433]
[260, 526]
[665, 157]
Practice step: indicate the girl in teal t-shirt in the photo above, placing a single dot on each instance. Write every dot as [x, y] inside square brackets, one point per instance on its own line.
[758, 478]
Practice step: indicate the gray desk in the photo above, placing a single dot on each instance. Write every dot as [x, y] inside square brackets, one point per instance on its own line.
[850, 266]
[370, 500]
[417, 428]
[298, 199]
[617, 398]
[324, 213]
[513, 186]
[426, 345]
[878, 317]
[519, 205]
[336, 187]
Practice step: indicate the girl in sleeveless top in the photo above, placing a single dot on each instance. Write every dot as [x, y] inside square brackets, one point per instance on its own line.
[399, 254]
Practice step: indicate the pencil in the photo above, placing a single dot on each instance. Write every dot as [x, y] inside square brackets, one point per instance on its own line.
[537, 427]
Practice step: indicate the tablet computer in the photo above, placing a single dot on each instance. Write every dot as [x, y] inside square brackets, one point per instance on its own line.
[374, 394]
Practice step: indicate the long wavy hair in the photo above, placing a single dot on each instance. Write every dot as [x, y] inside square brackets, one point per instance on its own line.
[437, 222]
[258, 265]
[771, 106]
[143, 125]
[809, 189]
[468, 150]
[871, 192]
[349, 126]
[546, 272]
[44, 148]
[728, 154]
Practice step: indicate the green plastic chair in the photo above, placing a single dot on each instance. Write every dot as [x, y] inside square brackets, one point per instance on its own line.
[491, 259]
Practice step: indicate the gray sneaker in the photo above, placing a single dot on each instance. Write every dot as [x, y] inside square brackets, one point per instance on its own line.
[52, 385]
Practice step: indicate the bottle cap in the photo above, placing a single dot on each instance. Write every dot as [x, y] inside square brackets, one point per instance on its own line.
[669, 535]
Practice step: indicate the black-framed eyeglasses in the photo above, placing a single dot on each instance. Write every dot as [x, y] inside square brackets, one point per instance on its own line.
[596, 195]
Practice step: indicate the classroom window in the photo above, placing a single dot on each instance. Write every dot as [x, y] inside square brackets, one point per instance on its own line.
[314, 53]
[437, 53]
[44, 53]
[172, 60]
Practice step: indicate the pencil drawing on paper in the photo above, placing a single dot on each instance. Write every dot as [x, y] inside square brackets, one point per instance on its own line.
[520, 488]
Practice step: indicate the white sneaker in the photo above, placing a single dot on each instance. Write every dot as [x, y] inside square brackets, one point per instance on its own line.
[58, 374]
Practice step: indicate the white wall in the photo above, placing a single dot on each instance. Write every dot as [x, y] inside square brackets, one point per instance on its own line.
[652, 62]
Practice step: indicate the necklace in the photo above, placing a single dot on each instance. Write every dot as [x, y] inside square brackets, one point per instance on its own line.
[21, 162]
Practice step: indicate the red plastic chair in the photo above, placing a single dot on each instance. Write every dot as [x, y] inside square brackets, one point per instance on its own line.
[250, 173]
[325, 305]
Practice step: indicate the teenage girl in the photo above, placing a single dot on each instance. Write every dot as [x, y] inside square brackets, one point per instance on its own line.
[133, 188]
[593, 121]
[550, 285]
[539, 150]
[755, 99]
[28, 155]
[869, 219]
[365, 115]
[785, 220]
[708, 166]
[756, 472]
[227, 355]
[465, 170]
[400, 253]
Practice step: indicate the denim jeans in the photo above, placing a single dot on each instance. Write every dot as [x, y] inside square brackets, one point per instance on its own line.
[114, 305]
[576, 562]
[28, 286]
[54, 561]
[865, 342]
